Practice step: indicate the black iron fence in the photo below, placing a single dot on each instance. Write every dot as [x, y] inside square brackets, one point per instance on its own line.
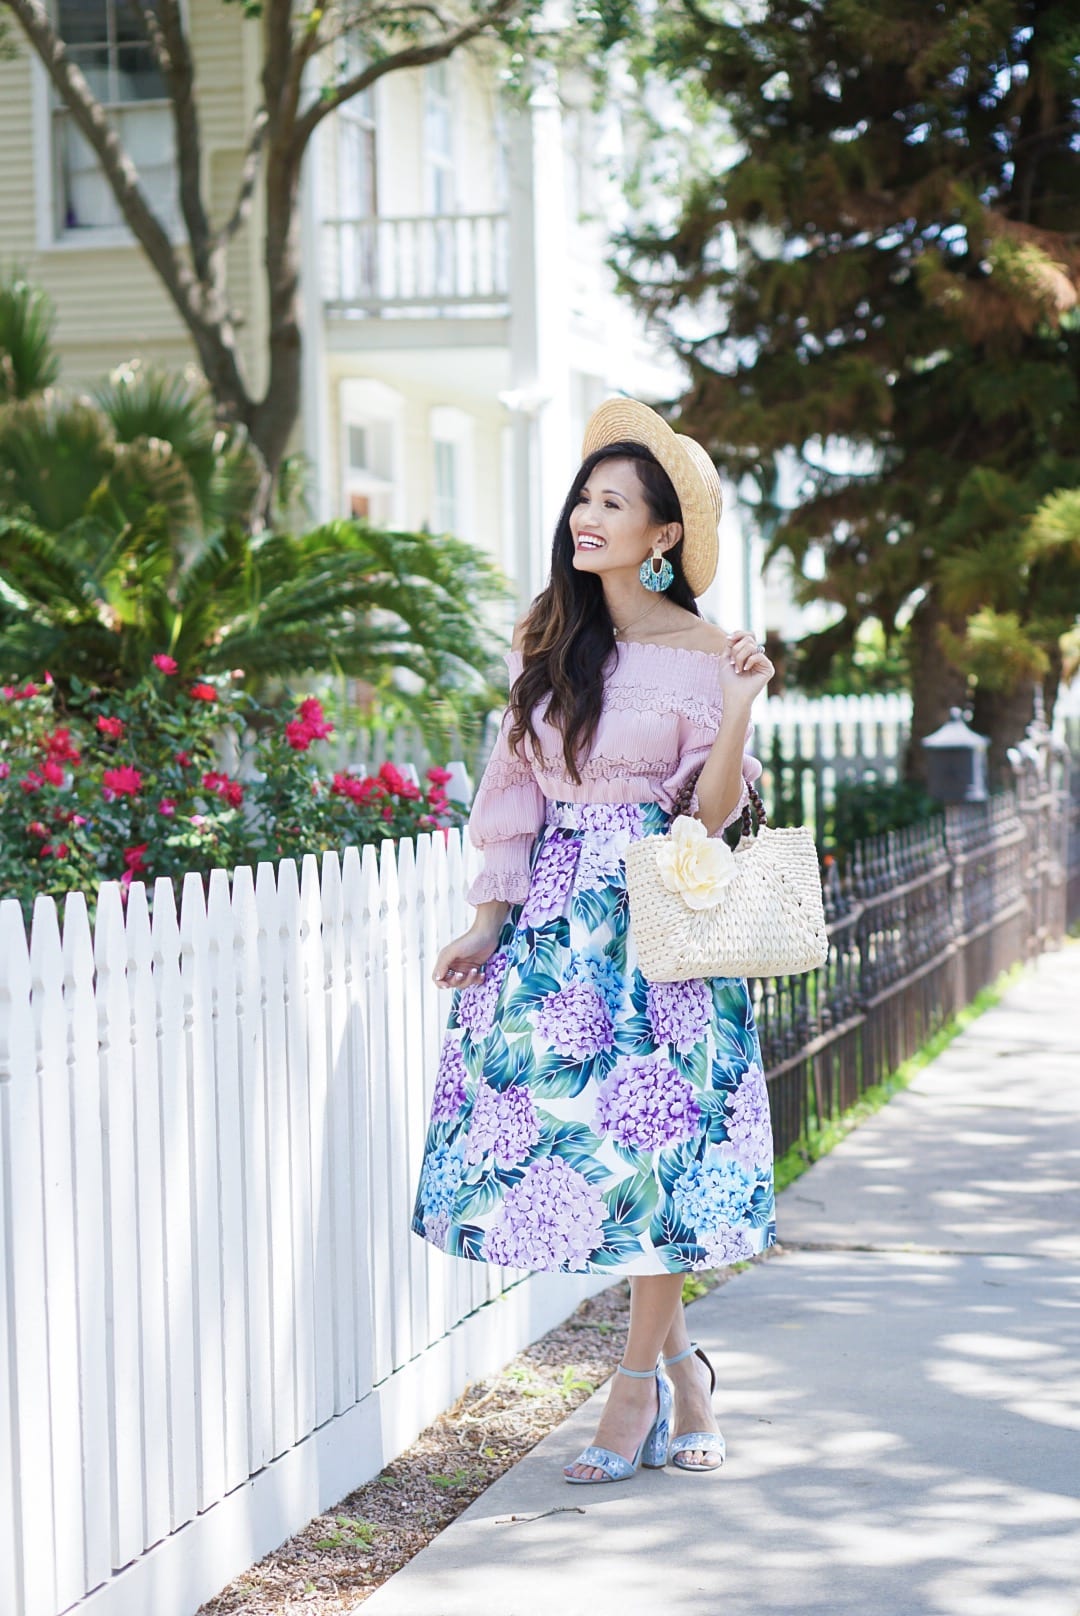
[919, 921]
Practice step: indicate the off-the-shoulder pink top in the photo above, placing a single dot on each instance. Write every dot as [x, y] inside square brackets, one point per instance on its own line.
[661, 711]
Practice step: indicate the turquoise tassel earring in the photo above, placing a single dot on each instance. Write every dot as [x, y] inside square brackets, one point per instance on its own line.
[656, 573]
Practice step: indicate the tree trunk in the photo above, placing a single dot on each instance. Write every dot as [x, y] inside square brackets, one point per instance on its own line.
[1003, 717]
[936, 686]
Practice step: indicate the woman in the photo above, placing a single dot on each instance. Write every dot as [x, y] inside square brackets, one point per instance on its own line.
[583, 1119]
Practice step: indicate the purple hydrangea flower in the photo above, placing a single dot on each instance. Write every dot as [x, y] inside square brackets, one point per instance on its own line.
[709, 1197]
[575, 1021]
[645, 1104]
[503, 1125]
[476, 1005]
[551, 880]
[614, 818]
[449, 1082]
[726, 1245]
[440, 1179]
[679, 1012]
[749, 1125]
[437, 1229]
[552, 1219]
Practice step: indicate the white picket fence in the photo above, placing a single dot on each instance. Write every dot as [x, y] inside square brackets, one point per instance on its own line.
[214, 1321]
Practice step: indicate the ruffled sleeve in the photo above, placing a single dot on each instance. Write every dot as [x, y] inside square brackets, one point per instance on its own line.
[695, 744]
[507, 812]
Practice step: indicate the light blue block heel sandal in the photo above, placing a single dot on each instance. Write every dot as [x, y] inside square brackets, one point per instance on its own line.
[710, 1442]
[653, 1450]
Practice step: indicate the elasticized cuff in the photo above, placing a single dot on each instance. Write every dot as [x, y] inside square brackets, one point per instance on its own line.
[505, 875]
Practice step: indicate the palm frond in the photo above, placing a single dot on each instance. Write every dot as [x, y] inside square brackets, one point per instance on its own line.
[28, 361]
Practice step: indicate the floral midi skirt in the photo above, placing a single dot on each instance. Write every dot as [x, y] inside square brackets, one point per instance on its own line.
[584, 1120]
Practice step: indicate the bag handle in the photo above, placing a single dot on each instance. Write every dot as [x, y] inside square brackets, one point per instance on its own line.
[688, 787]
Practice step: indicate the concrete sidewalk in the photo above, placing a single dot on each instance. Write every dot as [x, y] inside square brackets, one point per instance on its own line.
[899, 1386]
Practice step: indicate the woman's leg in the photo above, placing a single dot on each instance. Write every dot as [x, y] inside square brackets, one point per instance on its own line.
[690, 1382]
[631, 1404]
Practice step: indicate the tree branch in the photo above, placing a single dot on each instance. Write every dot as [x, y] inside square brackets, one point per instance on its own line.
[249, 174]
[409, 56]
[208, 326]
[180, 78]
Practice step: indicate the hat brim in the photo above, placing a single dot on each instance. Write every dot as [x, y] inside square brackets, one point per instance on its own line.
[626, 420]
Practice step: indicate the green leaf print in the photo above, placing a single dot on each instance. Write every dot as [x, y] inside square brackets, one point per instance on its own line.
[466, 1240]
[632, 1202]
[694, 1065]
[618, 1247]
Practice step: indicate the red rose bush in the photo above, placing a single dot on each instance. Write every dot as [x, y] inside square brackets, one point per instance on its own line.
[129, 786]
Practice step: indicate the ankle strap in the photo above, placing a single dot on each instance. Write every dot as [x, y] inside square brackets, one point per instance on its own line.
[679, 1356]
[636, 1374]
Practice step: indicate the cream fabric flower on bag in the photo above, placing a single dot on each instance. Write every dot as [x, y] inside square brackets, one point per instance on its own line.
[693, 864]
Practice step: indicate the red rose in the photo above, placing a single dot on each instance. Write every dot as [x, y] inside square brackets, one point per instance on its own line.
[36, 828]
[167, 806]
[52, 772]
[59, 746]
[122, 782]
[27, 690]
[32, 782]
[202, 692]
[233, 792]
[388, 812]
[167, 664]
[299, 735]
[311, 714]
[184, 760]
[111, 726]
[437, 776]
[133, 857]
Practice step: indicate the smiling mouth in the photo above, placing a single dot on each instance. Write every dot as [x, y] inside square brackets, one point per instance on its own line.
[587, 541]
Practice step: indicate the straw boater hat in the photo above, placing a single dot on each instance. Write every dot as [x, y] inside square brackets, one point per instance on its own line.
[692, 473]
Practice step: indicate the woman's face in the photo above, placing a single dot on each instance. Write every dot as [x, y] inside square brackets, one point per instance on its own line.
[612, 525]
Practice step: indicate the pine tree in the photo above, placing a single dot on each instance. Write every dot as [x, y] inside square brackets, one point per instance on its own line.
[891, 262]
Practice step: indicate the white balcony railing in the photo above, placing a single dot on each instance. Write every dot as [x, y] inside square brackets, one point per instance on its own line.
[434, 265]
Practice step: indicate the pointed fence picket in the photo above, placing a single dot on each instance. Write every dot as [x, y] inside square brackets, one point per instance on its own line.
[214, 1320]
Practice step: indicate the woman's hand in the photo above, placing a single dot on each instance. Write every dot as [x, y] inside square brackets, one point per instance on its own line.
[461, 963]
[745, 670]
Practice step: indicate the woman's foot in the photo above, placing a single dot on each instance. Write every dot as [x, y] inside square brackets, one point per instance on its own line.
[626, 1421]
[692, 1382]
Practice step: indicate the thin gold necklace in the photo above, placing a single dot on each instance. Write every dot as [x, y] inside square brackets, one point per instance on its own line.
[635, 621]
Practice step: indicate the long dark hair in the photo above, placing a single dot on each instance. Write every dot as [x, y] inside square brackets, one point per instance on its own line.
[568, 634]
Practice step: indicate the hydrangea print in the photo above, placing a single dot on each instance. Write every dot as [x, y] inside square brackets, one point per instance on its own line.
[708, 1197]
[679, 1012]
[727, 1245]
[440, 1179]
[449, 1082]
[550, 881]
[645, 1104]
[476, 1005]
[600, 971]
[749, 1125]
[575, 1021]
[552, 1219]
[501, 1125]
[437, 1229]
[611, 827]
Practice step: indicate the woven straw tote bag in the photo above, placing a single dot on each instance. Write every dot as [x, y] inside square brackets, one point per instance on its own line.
[701, 910]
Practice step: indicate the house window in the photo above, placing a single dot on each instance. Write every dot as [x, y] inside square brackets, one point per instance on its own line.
[452, 471]
[445, 513]
[371, 431]
[104, 39]
[439, 139]
[357, 198]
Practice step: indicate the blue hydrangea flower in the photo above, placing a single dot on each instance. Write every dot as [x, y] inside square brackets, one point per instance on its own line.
[707, 1197]
[440, 1178]
[600, 972]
